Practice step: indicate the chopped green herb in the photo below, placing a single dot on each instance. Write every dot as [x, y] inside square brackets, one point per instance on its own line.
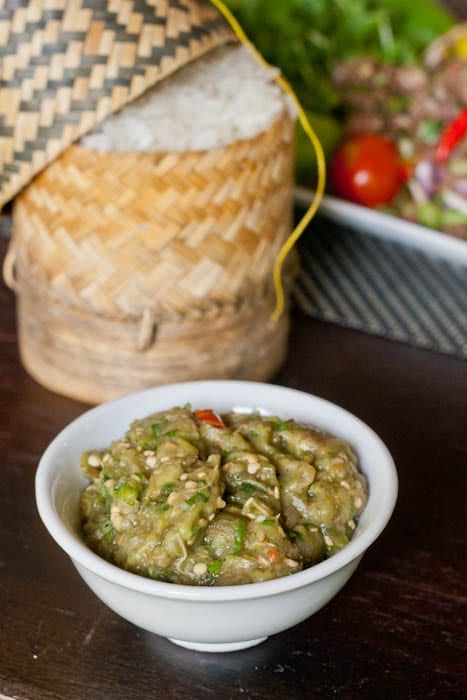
[128, 492]
[108, 503]
[155, 429]
[250, 487]
[109, 532]
[215, 567]
[168, 488]
[160, 574]
[239, 537]
[198, 497]
[170, 434]
[270, 522]
[429, 130]
[287, 425]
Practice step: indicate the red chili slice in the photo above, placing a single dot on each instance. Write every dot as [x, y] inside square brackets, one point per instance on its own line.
[208, 416]
[452, 134]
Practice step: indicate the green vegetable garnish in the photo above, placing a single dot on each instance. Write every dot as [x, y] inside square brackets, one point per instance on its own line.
[429, 214]
[215, 567]
[160, 574]
[239, 537]
[287, 425]
[270, 522]
[429, 131]
[198, 497]
[108, 503]
[168, 488]
[305, 39]
[249, 487]
[128, 492]
[109, 532]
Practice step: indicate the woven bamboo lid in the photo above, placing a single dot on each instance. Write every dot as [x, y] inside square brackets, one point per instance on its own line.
[66, 65]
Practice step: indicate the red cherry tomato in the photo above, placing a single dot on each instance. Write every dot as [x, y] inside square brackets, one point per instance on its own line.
[366, 169]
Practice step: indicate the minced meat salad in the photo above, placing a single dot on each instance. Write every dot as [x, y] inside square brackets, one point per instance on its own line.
[193, 498]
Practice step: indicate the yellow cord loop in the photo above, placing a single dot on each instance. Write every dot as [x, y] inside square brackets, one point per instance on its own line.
[309, 131]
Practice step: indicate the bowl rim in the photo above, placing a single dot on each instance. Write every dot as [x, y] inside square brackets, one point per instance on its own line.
[82, 556]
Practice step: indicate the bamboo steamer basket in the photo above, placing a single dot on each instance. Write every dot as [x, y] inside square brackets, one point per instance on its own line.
[138, 269]
[93, 358]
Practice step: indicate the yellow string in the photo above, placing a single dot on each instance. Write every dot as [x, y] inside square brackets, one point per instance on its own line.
[320, 160]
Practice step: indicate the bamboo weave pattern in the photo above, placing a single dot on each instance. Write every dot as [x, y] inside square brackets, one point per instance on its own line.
[66, 65]
[177, 233]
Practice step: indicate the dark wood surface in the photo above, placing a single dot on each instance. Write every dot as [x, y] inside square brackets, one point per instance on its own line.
[397, 630]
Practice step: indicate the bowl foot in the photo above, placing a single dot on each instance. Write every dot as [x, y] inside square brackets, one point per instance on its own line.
[218, 648]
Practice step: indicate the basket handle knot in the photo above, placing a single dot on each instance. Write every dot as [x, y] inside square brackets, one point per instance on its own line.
[147, 330]
[8, 270]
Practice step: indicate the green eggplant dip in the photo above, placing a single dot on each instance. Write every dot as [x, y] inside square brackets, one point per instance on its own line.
[193, 498]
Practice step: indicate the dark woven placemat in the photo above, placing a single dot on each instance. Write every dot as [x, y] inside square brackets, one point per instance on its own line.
[382, 288]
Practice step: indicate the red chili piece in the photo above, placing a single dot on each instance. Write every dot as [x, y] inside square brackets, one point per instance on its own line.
[208, 416]
[451, 136]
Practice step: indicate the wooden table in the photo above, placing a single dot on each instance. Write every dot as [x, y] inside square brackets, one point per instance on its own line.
[397, 630]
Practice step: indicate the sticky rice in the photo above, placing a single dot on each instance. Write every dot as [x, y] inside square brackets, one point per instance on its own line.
[217, 100]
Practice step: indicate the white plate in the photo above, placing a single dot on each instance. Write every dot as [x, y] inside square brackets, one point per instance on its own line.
[389, 228]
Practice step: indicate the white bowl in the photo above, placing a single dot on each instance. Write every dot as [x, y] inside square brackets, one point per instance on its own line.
[223, 618]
